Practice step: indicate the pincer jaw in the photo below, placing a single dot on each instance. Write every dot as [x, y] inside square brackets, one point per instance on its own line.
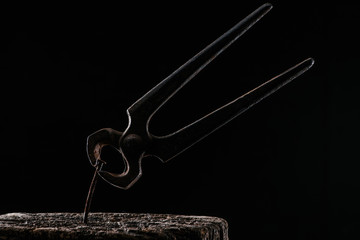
[99, 139]
[124, 180]
[130, 146]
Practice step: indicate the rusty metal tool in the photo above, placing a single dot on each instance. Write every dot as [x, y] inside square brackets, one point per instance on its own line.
[136, 142]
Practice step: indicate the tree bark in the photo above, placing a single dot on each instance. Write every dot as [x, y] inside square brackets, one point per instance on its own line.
[110, 226]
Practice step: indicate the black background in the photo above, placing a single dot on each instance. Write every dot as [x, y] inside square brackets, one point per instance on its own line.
[286, 169]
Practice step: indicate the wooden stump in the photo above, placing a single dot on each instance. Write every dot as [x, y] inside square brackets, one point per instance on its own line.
[110, 226]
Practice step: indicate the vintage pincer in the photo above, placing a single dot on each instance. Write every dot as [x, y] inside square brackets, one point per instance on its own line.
[136, 142]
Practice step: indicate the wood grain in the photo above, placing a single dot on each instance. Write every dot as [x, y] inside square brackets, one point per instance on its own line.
[101, 226]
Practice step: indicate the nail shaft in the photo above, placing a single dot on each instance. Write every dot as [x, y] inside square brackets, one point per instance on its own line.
[91, 193]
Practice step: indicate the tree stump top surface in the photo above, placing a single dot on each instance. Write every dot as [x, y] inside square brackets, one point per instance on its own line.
[111, 226]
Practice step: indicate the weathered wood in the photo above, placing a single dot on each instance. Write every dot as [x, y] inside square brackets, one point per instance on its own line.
[110, 226]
